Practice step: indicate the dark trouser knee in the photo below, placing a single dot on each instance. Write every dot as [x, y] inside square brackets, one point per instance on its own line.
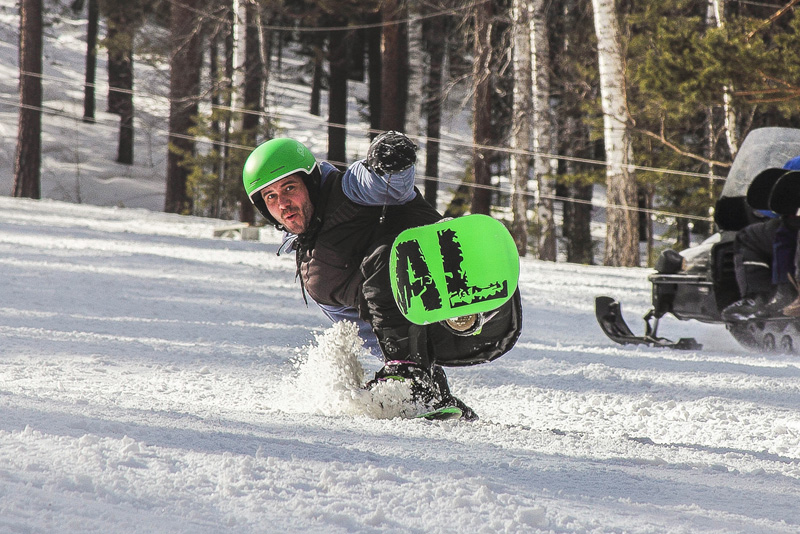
[754, 256]
[378, 305]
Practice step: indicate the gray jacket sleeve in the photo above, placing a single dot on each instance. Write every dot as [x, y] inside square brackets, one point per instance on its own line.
[367, 188]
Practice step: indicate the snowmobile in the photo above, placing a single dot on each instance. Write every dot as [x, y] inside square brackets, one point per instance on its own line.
[699, 282]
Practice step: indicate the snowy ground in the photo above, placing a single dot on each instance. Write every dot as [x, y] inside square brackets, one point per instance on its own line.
[154, 379]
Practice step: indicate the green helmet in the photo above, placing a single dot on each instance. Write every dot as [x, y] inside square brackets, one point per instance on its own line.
[274, 160]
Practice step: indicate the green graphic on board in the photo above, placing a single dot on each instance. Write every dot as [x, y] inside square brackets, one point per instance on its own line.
[453, 268]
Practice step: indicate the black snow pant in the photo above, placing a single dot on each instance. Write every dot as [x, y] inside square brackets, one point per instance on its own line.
[753, 256]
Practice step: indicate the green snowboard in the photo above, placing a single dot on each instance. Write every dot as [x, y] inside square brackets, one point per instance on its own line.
[453, 268]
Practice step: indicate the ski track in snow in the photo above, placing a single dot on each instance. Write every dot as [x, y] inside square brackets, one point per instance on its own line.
[153, 379]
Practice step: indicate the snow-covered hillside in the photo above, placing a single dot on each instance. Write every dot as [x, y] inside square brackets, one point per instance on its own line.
[155, 379]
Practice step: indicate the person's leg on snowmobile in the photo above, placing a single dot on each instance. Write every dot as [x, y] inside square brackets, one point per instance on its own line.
[753, 264]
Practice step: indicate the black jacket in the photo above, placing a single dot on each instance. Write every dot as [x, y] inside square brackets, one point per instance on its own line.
[331, 252]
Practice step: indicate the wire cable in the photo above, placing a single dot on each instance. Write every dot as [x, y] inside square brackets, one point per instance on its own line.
[115, 125]
[442, 141]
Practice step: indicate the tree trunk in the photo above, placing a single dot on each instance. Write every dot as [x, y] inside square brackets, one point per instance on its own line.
[184, 88]
[394, 74]
[415, 80]
[91, 62]
[577, 224]
[120, 62]
[544, 170]
[251, 94]
[577, 215]
[521, 124]
[251, 98]
[124, 102]
[481, 108]
[126, 138]
[434, 35]
[265, 35]
[216, 126]
[239, 38]
[357, 44]
[318, 48]
[374, 74]
[622, 229]
[28, 158]
[121, 31]
[716, 16]
[225, 173]
[646, 194]
[337, 96]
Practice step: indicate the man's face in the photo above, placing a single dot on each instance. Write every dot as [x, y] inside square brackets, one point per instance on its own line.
[288, 202]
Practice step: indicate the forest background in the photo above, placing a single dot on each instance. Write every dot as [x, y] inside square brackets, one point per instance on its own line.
[648, 99]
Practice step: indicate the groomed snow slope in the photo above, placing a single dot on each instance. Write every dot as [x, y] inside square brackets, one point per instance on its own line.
[154, 379]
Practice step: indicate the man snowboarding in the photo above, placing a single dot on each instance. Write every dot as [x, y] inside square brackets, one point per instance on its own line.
[341, 225]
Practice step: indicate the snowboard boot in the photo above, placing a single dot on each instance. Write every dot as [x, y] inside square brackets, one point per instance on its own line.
[404, 343]
[407, 360]
[428, 388]
[446, 398]
[423, 389]
[405, 350]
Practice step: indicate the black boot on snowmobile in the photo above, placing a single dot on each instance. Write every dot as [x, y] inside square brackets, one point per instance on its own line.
[760, 306]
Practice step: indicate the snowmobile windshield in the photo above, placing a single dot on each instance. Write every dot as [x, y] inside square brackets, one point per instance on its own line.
[762, 149]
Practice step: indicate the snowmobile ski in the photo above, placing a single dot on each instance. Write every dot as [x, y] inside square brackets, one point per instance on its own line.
[609, 316]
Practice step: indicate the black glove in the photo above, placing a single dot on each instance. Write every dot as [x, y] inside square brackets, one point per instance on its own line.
[390, 153]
